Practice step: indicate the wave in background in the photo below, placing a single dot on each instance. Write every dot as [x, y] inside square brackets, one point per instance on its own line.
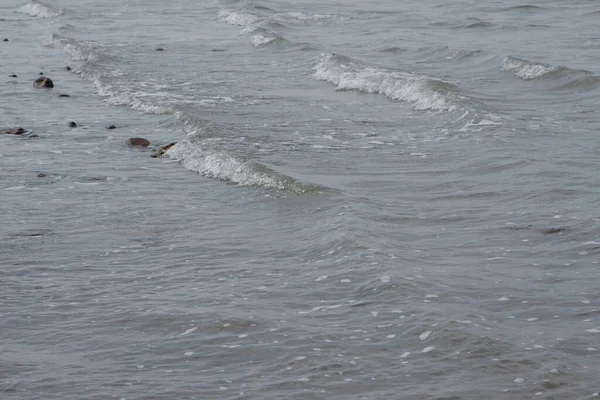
[424, 93]
[577, 79]
[38, 9]
[255, 25]
[528, 70]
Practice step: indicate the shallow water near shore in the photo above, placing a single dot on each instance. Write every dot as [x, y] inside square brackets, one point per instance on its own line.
[390, 201]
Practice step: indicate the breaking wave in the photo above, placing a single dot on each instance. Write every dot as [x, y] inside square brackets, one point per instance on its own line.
[238, 17]
[204, 150]
[424, 93]
[528, 70]
[38, 9]
[223, 166]
[256, 25]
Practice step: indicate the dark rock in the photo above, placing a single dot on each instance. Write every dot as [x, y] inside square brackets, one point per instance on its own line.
[138, 142]
[5, 40]
[552, 231]
[42, 175]
[13, 131]
[41, 73]
[43, 82]
[95, 178]
[159, 49]
[68, 68]
[34, 136]
[218, 50]
[72, 124]
[160, 151]
[63, 95]
[13, 76]
[111, 127]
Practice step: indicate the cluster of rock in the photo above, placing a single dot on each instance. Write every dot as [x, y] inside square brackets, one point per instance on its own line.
[46, 83]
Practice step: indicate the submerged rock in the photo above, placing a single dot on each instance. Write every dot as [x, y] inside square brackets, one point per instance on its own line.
[552, 231]
[13, 76]
[13, 131]
[111, 127]
[63, 95]
[43, 82]
[160, 151]
[138, 142]
[5, 40]
[72, 124]
[68, 68]
[159, 49]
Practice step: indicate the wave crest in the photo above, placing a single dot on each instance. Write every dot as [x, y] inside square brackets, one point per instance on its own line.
[528, 70]
[423, 92]
[225, 167]
[237, 17]
[38, 9]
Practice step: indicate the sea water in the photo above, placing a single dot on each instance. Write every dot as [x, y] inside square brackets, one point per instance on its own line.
[366, 201]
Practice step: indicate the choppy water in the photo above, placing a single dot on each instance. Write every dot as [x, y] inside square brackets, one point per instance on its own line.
[367, 201]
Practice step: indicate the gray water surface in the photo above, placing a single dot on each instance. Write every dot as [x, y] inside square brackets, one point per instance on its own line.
[366, 201]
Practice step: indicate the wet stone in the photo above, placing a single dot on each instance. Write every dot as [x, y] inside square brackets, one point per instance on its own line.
[138, 142]
[43, 82]
[13, 131]
[111, 127]
[72, 124]
[160, 151]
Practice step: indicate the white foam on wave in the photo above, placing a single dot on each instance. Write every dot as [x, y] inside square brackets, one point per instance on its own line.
[77, 50]
[222, 166]
[527, 70]
[236, 17]
[262, 40]
[38, 9]
[310, 17]
[423, 92]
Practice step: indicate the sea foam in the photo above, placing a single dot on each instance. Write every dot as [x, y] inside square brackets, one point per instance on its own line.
[424, 93]
[38, 9]
[528, 70]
